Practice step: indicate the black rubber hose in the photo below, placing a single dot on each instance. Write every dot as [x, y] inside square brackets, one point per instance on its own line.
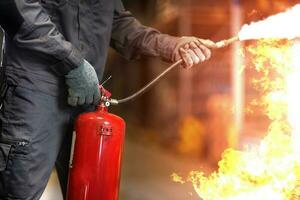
[149, 85]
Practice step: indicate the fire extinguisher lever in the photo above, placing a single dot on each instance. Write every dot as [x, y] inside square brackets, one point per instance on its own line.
[105, 97]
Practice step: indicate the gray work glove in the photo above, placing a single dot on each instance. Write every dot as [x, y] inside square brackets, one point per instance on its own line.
[192, 50]
[83, 85]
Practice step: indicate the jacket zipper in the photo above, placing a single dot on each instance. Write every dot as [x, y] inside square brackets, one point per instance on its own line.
[21, 143]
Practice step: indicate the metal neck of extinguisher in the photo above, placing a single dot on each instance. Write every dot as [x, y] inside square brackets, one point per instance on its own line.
[106, 101]
[102, 107]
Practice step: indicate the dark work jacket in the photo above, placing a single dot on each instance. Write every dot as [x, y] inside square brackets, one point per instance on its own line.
[45, 39]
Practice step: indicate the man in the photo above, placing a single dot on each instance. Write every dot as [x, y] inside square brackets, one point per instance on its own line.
[54, 53]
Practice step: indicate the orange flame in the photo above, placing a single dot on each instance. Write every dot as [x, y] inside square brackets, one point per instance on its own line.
[271, 169]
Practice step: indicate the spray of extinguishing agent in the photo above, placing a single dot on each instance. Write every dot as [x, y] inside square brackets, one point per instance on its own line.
[95, 165]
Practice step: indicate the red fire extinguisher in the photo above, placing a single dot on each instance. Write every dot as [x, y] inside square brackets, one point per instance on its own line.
[96, 164]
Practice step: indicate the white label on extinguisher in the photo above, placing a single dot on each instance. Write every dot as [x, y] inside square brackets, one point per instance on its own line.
[72, 149]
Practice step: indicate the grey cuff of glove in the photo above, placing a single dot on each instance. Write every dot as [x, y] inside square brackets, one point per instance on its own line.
[74, 60]
[166, 47]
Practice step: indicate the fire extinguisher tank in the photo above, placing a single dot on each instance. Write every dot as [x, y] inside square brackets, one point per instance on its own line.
[96, 165]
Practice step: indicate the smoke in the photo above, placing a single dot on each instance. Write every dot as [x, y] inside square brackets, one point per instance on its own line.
[285, 25]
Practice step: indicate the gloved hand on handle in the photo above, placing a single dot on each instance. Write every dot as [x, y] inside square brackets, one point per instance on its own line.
[192, 50]
[83, 85]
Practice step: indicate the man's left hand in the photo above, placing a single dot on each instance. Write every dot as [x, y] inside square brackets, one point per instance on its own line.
[192, 50]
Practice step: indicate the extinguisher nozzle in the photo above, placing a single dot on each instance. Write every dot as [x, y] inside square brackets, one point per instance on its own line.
[224, 43]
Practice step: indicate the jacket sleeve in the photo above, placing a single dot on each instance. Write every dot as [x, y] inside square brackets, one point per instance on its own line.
[30, 27]
[131, 39]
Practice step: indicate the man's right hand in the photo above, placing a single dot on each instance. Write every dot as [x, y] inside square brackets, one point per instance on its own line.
[83, 86]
